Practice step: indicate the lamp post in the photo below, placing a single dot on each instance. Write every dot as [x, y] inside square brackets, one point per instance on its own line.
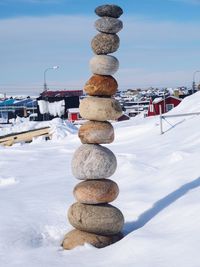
[193, 83]
[52, 68]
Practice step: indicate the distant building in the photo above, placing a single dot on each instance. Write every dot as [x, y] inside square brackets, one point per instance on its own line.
[162, 105]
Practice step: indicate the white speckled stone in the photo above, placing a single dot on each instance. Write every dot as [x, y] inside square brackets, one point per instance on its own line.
[104, 64]
[93, 162]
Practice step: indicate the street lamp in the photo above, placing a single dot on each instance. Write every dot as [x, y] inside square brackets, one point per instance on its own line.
[52, 68]
[193, 83]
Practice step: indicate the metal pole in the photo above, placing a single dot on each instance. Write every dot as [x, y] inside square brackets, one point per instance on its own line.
[193, 83]
[161, 125]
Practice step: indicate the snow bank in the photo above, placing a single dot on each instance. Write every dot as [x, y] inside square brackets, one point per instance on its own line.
[159, 181]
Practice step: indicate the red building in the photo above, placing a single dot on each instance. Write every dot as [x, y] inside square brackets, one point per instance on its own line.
[73, 114]
[162, 105]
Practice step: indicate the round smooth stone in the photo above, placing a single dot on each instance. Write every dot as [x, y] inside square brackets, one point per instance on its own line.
[96, 132]
[93, 162]
[101, 85]
[77, 238]
[103, 43]
[109, 11]
[104, 65]
[100, 108]
[108, 25]
[96, 191]
[102, 219]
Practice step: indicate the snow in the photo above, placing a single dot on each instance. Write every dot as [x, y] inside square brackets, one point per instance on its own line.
[56, 108]
[159, 181]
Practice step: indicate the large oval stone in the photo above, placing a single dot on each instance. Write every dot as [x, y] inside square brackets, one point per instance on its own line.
[100, 108]
[104, 64]
[96, 132]
[108, 25]
[103, 43]
[93, 162]
[109, 11]
[103, 219]
[96, 191]
[77, 238]
[101, 85]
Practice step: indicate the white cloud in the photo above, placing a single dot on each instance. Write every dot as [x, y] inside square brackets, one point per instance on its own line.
[155, 53]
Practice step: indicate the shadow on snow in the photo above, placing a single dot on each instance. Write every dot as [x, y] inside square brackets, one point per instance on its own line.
[159, 206]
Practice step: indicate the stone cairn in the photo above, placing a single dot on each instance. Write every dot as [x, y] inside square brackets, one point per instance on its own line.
[97, 222]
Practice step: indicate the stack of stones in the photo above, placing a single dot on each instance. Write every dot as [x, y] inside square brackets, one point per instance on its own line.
[97, 222]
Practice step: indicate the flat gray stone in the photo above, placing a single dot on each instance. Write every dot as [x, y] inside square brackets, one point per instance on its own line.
[102, 219]
[104, 64]
[100, 109]
[108, 25]
[109, 11]
[104, 43]
[93, 162]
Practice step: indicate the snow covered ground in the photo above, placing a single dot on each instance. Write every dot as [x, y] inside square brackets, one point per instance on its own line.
[159, 181]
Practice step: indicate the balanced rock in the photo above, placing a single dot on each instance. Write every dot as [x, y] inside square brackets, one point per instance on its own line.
[96, 132]
[101, 85]
[78, 238]
[93, 162]
[103, 43]
[103, 219]
[109, 11]
[104, 64]
[108, 25]
[100, 108]
[96, 191]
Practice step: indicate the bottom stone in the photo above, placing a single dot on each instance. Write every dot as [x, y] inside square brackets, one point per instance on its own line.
[77, 238]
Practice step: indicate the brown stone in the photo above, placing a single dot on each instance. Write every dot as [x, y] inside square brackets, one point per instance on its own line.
[103, 219]
[101, 85]
[96, 191]
[78, 238]
[96, 132]
[100, 108]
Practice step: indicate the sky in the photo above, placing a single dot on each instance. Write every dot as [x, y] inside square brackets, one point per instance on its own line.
[159, 44]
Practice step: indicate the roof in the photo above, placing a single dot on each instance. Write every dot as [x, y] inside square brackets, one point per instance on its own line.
[63, 93]
[160, 99]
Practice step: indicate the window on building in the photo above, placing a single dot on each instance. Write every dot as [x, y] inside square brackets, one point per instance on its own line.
[151, 108]
[169, 107]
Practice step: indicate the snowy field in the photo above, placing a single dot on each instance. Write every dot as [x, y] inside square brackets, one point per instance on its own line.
[159, 181]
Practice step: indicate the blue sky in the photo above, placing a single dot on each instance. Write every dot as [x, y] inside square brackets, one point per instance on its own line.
[159, 43]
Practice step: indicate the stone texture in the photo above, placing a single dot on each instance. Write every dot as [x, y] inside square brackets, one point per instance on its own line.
[100, 109]
[104, 64]
[96, 132]
[101, 85]
[93, 162]
[96, 191]
[78, 238]
[108, 25]
[109, 11]
[103, 43]
[103, 219]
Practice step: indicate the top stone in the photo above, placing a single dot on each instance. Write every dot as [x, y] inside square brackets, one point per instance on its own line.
[109, 11]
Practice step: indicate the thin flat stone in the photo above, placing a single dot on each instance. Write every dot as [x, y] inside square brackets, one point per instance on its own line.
[96, 132]
[103, 43]
[77, 238]
[93, 162]
[109, 11]
[96, 191]
[103, 219]
[104, 64]
[108, 25]
[100, 108]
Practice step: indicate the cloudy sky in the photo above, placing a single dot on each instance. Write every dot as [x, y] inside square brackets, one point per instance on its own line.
[160, 43]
